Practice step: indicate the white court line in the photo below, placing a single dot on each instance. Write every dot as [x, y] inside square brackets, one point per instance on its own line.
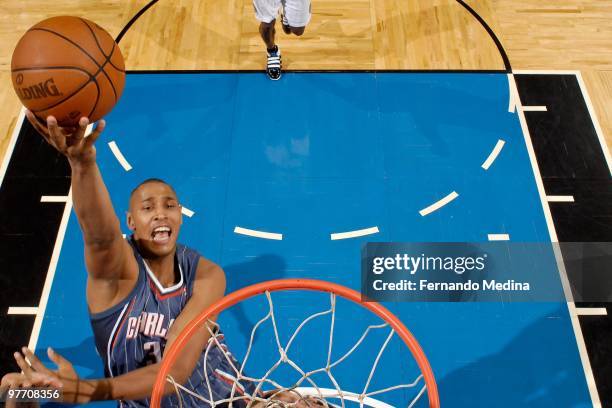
[493, 155]
[438, 204]
[511, 94]
[591, 311]
[354, 234]
[258, 234]
[498, 237]
[16, 310]
[600, 136]
[534, 108]
[53, 199]
[584, 356]
[186, 211]
[44, 299]
[587, 99]
[119, 156]
[560, 199]
[11, 146]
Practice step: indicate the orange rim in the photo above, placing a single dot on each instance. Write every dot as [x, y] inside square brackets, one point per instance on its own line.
[230, 300]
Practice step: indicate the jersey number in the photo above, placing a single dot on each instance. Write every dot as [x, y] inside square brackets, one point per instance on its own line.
[152, 352]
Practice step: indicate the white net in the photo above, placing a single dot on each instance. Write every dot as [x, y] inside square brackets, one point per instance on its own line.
[266, 391]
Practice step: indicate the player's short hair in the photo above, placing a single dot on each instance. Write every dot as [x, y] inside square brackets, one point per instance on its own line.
[151, 180]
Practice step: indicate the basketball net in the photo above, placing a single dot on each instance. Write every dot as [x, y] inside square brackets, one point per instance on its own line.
[305, 391]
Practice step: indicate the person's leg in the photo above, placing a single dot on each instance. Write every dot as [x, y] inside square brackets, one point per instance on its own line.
[273, 66]
[298, 30]
[267, 32]
[296, 15]
[266, 11]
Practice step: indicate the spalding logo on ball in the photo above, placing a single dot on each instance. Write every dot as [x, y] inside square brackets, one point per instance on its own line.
[68, 67]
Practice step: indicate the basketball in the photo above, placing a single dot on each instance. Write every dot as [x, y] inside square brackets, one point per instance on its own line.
[68, 67]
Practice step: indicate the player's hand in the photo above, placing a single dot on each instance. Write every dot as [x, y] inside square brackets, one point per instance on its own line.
[38, 375]
[71, 142]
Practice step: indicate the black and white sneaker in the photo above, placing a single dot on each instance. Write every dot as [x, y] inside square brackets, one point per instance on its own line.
[273, 69]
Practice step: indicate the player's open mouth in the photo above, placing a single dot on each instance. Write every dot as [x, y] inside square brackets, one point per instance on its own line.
[161, 235]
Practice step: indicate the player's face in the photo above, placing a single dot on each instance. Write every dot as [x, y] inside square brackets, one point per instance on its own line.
[155, 218]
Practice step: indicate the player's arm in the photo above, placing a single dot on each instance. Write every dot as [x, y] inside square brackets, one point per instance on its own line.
[107, 255]
[209, 287]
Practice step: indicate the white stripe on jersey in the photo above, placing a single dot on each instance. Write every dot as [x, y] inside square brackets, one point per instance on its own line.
[158, 284]
[110, 339]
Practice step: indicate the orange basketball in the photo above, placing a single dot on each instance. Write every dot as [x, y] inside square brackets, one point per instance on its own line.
[68, 67]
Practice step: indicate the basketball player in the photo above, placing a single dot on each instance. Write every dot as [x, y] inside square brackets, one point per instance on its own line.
[295, 16]
[141, 291]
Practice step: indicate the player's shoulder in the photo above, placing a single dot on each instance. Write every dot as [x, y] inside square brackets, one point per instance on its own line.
[194, 261]
[209, 271]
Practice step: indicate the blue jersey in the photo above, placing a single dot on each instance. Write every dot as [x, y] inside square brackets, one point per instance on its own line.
[133, 333]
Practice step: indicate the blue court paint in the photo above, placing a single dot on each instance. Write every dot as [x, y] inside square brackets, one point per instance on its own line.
[321, 153]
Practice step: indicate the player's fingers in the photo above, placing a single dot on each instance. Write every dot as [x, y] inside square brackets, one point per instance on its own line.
[59, 360]
[35, 361]
[100, 126]
[79, 134]
[23, 364]
[55, 133]
[44, 132]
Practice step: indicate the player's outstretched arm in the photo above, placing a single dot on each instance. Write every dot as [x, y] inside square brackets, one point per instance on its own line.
[138, 384]
[105, 249]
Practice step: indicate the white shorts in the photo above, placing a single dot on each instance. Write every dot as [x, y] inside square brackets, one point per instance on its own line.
[296, 12]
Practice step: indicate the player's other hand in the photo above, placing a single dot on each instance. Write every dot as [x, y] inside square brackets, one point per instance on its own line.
[36, 374]
[71, 142]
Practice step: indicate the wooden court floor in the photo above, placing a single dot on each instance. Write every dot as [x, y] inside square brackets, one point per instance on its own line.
[343, 34]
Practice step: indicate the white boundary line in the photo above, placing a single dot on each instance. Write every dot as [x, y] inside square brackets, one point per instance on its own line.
[44, 299]
[53, 199]
[16, 310]
[439, 204]
[258, 234]
[560, 199]
[511, 94]
[584, 357]
[11, 146]
[119, 156]
[354, 234]
[493, 155]
[186, 211]
[498, 237]
[591, 311]
[534, 108]
[596, 125]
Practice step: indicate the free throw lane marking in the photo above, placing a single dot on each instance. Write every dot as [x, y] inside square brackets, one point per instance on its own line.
[493, 155]
[439, 204]
[560, 199]
[258, 234]
[119, 156]
[498, 237]
[15, 310]
[591, 311]
[354, 234]
[534, 109]
[53, 199]
[187, 212]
